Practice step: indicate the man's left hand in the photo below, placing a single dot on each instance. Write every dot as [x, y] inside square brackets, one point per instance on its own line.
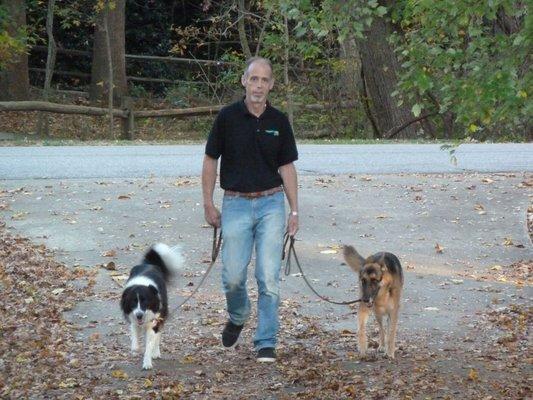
[292, 224]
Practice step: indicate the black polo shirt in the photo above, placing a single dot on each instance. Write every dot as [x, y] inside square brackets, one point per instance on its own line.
[252, 148]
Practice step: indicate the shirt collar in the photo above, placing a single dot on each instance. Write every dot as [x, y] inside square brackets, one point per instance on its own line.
[245, 110]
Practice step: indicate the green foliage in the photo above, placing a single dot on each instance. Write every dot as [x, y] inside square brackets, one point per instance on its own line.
[343, 19]
[184, 95]
[137, 91]
[456, 58]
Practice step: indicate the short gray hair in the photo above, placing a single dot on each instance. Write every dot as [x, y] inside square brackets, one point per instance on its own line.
[254, 59]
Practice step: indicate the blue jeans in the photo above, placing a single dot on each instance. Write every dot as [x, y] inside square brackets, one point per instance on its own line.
[245, 222]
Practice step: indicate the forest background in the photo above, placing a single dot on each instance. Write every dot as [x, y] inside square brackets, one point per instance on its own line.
[354, 69]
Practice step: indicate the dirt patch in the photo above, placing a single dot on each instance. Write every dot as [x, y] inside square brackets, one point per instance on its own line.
[39, 352]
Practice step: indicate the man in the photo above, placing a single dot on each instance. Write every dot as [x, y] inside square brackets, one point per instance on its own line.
[257, 150]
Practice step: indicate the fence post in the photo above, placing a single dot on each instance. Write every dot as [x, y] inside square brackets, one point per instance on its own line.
[128, 124]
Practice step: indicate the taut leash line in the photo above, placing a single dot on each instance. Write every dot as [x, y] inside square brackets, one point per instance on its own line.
[217, 241]
[292, 251]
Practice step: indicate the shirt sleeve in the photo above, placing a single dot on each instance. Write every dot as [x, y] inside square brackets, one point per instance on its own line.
[215, 141]
[288, 151]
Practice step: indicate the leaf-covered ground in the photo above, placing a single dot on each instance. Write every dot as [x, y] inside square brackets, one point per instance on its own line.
[43, 354]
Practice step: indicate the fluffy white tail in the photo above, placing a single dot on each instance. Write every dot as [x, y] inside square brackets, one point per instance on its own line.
[171, 257]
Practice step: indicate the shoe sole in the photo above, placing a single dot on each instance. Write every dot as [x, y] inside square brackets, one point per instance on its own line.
[266, 359]
[233, 345]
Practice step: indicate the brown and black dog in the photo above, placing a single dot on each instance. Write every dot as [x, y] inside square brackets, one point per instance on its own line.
[381, 283]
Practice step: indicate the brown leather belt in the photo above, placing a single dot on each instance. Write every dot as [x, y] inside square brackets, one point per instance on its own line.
[253, 195]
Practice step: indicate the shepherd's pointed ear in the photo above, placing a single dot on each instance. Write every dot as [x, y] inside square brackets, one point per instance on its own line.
[382, 263]
[353, 258]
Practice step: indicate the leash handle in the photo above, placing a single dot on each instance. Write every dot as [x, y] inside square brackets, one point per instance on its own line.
[216, 245]
[292, 251]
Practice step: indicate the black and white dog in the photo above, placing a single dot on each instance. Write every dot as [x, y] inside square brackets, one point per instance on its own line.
[144, 299]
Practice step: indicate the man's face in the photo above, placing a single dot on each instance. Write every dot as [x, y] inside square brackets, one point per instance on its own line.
[258, 81]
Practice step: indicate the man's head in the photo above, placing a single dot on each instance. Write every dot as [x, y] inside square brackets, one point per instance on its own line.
[257, 79]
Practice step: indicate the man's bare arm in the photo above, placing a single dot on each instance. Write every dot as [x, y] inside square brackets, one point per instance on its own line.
[290, 184]
[209, 178]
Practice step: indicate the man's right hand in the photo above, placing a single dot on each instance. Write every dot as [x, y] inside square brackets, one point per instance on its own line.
[212, 215]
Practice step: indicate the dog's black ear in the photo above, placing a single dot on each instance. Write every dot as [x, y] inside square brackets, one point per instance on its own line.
[353, 258]
[125, 304]
[153, 289]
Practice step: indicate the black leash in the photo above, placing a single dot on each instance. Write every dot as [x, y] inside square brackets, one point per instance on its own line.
[217, 241]
[288, 264]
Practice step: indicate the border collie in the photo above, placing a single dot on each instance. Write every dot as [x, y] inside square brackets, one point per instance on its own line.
[144, 299]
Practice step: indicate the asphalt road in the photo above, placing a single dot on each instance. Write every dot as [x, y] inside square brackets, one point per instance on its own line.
[102, 204]
[78, 162]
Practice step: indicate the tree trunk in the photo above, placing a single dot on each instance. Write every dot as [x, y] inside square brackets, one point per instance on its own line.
[351, 82]
[109, 74]
[290, 110]
[100, 73]
[262, 33]
[242, 31]
[379, 67]
[42, 119]
[14, 79]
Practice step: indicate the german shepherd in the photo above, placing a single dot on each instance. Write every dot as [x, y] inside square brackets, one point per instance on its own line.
[381, 283]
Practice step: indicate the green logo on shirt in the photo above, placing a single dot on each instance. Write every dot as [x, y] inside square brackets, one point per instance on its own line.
[272, 132]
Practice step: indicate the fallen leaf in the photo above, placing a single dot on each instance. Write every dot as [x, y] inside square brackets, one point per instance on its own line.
[120, 374]
[69, 383]
[182, 182]
[508, 242]
[109, 253]
[110, 266]
[19, 216]
[346, 332]
[438, 248]
[473, 375]
[148, 383]
[329, 251]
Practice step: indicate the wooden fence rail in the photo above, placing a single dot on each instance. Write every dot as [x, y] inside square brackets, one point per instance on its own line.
[129, 78]
[128, 115]
[58, 108]
[141, 57]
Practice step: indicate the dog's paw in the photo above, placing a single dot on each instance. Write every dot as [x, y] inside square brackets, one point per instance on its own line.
[147, 364]
[135, 350]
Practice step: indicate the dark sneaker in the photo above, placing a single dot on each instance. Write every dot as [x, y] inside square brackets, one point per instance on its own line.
[230, 334]
[266, 354]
